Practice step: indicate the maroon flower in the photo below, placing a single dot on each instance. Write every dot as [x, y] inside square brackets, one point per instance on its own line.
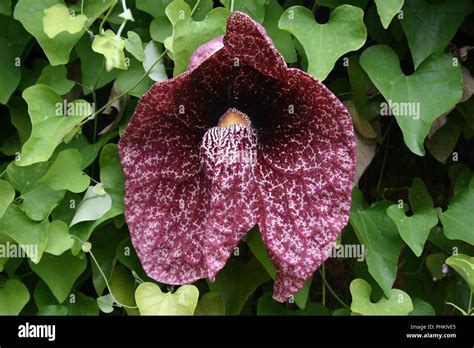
[236, 140]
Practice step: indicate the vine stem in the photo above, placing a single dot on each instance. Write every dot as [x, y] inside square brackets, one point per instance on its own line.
[231, 5]
[333, 293]
[104, 276]
[323, 274]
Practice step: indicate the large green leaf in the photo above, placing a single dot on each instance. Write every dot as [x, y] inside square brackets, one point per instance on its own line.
[59, 239]
[415, 100]
[65, 172]
[282, 39]
[55, 77]
[441, 145]
[345, 27]
[397, 303]
[126, 79]
[236, 282]
[458, 219]
[14, 295]
[380, 237]
[210, 303]
[10, 73]
[30, 13]
[37, 199]
[464, 265]
[7, 194]
[188, 34]
[387, 9]
[414, 229]
[31, 235]
[49, 123]
[429, 27]
[266, 305]
[152, 301]
[60, 272]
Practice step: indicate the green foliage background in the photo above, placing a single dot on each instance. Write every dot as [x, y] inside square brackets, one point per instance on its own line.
[71, 74]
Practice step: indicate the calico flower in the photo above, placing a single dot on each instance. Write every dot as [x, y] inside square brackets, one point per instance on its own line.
[237, 140]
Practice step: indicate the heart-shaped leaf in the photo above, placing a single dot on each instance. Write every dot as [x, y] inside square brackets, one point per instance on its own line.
[152, 301]
[414, 229]
[55, 77]
[111, 47]
[66, 174]
[92, 207]
[152, 52]
[133, 44]
[397, 303]
[464, 265]
[59, 239]
[60, 272]
[415, 100]
[458, 219]
[57, 19]
[14, 295]
[387, 9]
[345, 26]
[429, 27]
[50, 122]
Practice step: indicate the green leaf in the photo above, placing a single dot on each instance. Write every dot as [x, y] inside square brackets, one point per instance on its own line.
[133, 44]
[415, 100]
[255, 9]
[19, 117]
[421, 307]
[236, 282]
[282, 40]
[49, 123]
[152, 301]
[126, 79]
[59, 239]
[5, 7]
[387, 9]
[80, 304]
[10, 74]
[381, 239]
[418, 196]
[161, 28]
[122, 284]
[106, 303]
[414, 229]
[397, 303]
[464, 266]
[111, 176]
[58, 19]
[266, 305]
[38, 200]
[434, 263]
[65, 172]
[92, 207]
[111, 47]
[188, 35]
[32, 236]
[55, 77]
[55, 310]
[153, 51]
[429, 27]
[210, 303]
[60, 272]
[7, 194]
[255, 243]
[57, 49]
[94, 75]
[443, 142]
[14, 295]
[345, 26]
[458, 219]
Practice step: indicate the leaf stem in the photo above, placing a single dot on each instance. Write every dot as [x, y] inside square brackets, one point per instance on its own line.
[231, 5]
[333, 293]
[101, 25]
